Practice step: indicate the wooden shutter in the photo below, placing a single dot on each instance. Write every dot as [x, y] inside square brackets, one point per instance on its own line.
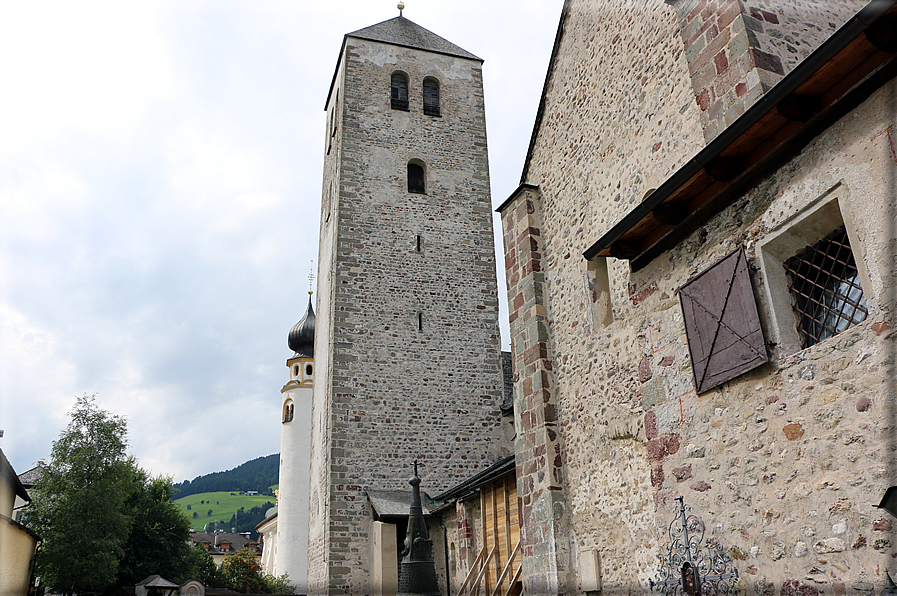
[399, 92]
[431, 97]
[721, 322]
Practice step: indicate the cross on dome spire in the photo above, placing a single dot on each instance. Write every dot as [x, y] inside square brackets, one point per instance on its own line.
[311, 278]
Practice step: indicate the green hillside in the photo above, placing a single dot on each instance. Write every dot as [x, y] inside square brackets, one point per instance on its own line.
[256, 474]
[223, 505]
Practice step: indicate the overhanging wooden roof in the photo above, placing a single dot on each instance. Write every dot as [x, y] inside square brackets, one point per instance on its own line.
[854, 62]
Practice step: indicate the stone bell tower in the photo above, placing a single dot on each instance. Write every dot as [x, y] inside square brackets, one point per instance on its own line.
[407, 348]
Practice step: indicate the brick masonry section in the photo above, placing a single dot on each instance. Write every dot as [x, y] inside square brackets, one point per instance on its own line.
[539, 452]
[738, 49]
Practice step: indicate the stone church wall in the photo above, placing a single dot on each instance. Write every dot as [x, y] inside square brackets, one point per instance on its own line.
[784, 463]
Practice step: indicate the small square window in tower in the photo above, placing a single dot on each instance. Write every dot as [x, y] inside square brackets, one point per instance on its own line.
[399, 92]
[826, 294]
[431, 97]
[721, 323]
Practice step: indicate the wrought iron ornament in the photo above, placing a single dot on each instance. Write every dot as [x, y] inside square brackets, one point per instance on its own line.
[693, 566]
[417, 575]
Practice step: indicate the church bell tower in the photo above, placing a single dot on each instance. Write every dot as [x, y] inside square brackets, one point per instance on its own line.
[407, 349]
[295, 443]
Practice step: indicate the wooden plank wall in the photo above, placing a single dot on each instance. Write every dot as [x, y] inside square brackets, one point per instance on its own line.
[501, 526]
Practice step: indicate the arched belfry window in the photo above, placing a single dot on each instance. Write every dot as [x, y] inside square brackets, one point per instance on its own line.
[431, 97]
[288, 411]
[416, 178]
[399, 91]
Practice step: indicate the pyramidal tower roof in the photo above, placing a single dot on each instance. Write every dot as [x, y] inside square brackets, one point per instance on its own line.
[402, 32]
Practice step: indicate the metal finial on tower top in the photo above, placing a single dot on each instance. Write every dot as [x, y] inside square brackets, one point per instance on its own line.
[400, 6]
[311, 278]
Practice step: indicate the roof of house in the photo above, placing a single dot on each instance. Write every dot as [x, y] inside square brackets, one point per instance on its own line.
[237, 541]
[507, 371]
[402, 32]
[9, 475]
[157, 581]
[500, 468]
[30, 477]
[394, 503]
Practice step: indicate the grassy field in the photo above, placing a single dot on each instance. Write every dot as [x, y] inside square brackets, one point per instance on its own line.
[222, 504]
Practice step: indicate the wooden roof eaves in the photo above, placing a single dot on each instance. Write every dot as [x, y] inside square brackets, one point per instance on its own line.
[694, 169]
[540, 112]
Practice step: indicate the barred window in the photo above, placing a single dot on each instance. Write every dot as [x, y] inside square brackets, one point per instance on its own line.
[399, 92]
[826, 294]
[431, 97]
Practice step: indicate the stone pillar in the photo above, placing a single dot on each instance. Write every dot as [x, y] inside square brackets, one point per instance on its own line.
[729, 71]
[539, 452]
[384, 560]
[738, 49]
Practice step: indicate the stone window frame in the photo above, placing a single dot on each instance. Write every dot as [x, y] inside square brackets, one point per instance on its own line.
[806, 227]
[599, 287]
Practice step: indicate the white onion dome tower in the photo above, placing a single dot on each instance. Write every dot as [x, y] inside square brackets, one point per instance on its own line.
[295, 448]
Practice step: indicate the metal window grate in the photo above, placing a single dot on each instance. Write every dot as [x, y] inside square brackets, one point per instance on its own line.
[825, 289]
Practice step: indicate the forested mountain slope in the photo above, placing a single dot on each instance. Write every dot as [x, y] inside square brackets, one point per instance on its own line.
[257, 474]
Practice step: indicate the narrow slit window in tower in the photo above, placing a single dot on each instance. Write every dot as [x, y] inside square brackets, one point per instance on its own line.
[420, 321]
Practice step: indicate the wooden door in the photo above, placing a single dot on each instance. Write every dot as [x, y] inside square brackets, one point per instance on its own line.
[500, 527]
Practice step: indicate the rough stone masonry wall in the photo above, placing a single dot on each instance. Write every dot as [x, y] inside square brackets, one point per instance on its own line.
[322, 399]
[620, 116]
[783, 463]
[395, 392]
[738, 49]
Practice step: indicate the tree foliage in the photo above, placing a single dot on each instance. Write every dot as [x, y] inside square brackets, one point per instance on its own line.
[158, 541]
[243, 572]
[246, 521]
[104, 521]
[79, 502]
[201, 566]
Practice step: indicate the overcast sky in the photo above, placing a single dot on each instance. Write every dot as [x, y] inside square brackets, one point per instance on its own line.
[160, 175]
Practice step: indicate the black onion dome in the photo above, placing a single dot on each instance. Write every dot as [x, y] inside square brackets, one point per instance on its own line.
[302, 336]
